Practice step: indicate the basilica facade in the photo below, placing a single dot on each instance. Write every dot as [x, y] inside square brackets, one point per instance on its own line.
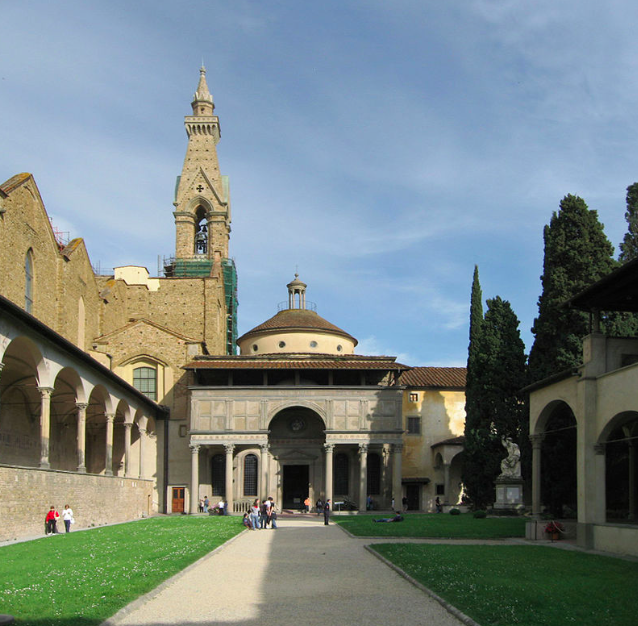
[128, 386]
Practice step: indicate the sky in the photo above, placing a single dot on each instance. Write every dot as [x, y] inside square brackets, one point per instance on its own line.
[379, 149]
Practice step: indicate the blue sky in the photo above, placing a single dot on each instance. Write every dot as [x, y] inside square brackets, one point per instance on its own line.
[383, 149]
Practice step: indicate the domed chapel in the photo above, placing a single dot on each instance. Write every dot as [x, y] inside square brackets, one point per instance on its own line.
[133, 388]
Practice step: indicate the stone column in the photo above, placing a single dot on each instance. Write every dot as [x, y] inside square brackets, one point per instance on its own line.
[632, 481]
[194, 495]
[229, 495]
[81, 441]
[108, 463]
[537, 443]
[446, 482]
[386, 486]
[45, 425]
[329, 448]
[396, 475]
[600, 462]
[127, 449]
[363, 475]
[143, 437]
[263, 472]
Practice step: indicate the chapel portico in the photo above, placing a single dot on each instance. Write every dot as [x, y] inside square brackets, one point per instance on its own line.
[309, 420]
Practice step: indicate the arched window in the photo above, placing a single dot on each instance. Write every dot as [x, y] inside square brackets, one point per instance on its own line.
[218, 474]
[145, 380]
[201, 231]
[28, 282]
[374, 474]
[342, 474]
[250, 475]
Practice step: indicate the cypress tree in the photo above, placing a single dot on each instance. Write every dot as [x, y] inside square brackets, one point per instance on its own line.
[577, 254]
[494, 407]
[473, 447]
[629, 245]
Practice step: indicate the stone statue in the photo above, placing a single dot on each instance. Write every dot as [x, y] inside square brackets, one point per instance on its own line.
[511, 464]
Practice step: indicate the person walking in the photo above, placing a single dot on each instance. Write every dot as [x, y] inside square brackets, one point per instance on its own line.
[206, 504]
[306, 504]
[319, 506]
[51, 521]
[265, 505]
[272, 513]
[67, 516]
[326, 512]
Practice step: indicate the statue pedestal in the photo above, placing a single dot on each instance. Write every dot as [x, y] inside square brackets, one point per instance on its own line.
[509, 493]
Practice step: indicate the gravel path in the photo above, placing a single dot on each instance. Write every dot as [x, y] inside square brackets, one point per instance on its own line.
[303, 573]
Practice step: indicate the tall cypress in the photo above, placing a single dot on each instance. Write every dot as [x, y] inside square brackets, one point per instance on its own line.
[494, 406]
[473, 452]
[577, 254]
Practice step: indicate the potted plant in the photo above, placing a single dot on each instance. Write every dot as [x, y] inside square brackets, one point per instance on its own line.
[554, 529]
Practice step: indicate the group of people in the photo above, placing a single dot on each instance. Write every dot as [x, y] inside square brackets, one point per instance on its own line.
[205, 506]
[52, 517]
[262, 514]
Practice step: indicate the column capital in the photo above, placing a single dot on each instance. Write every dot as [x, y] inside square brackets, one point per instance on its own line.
[142, 430]
[194, 448]
[128, 425]
[229, 447]
[82, 406]
[329, 447]
[363, 448]
[537, 440]
[45, 392]
[265, 447]
[110, 417]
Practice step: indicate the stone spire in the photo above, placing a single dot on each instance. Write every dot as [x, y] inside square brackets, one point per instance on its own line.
[202, 99]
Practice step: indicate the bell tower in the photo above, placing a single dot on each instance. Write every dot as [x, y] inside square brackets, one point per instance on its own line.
[202, 210]
[202, 200]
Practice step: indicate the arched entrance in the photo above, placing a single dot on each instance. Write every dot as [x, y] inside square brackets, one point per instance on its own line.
[558, 461]
[296, 439]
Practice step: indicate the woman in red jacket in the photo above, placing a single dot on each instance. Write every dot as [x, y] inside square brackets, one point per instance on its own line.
[51, 521]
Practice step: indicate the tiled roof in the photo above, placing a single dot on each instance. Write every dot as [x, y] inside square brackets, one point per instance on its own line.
[449, 377]
[292, 361]
[297, 320]
[455, 441]
[14, 181]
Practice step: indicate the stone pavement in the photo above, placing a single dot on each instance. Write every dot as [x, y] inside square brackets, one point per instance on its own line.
[303, 573]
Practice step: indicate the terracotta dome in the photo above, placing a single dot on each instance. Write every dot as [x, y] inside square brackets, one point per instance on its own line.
[297, 330]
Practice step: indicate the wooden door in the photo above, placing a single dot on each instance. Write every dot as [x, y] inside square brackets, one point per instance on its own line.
[178, 500]
[413, 492]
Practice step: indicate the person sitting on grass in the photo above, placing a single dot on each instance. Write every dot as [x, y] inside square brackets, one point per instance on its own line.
[397, 518]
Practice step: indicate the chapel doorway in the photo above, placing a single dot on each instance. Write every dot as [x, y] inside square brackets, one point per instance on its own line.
[296, 485]
[412, 493]
[177, 505]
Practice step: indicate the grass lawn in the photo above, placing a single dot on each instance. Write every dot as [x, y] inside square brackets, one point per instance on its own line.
[530, 585]
[446, 526]
[85, 577]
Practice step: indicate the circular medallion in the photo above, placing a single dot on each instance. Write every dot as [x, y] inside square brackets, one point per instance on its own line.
[297, 425]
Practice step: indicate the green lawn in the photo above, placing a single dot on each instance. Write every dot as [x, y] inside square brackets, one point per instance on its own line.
[441, 526]
[530, 585]
[85, 577]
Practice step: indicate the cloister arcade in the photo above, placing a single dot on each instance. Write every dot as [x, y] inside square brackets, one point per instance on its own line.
[61, 410]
